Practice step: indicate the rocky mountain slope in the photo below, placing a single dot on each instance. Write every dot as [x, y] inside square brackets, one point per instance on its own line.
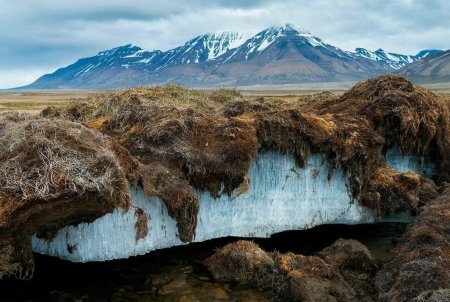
[431, 69]
[288, 54]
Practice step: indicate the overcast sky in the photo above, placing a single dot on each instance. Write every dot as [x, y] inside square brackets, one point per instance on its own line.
[37, 37]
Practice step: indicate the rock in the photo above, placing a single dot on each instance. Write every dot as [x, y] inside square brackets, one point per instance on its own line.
[187, 269]
[177, 286]
[160, 279]
[221, 294]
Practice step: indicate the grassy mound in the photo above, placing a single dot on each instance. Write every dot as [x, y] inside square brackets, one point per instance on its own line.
[52, 173]
[343, 272]
[421, 266]
[243, 261]
[183, 139]
[409, 116]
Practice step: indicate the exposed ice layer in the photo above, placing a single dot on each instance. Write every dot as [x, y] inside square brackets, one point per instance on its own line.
[281, 196]
[410, 162]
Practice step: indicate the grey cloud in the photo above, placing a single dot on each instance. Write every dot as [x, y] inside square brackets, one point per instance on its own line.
[44, 35]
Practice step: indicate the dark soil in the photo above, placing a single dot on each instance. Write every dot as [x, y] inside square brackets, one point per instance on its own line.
[177, 274]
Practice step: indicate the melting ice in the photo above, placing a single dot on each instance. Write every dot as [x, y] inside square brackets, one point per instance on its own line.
[281, 196]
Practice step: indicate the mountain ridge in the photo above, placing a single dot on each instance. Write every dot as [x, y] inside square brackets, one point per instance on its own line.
[276, 55]
[432, 69]
[395, 60]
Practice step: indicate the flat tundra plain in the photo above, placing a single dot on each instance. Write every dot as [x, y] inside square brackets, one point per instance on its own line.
[34, 101]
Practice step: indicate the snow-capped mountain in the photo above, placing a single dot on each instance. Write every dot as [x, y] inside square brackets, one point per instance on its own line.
[257, 44]
[432, 69]
[427, 53]
[278, 54]
[123, 57]
[201, 49]
[124, 64]
[394, 60]
[289, 54]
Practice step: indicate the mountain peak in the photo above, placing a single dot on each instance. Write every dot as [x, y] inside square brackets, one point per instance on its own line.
[120, 50]
[394, 60]
[292, 27]
[204, 48]
[428, 52]
[232, 37]
[289, 29]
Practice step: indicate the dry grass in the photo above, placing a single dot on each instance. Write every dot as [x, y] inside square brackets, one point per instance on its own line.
[422, 257]
[141, 225]
[33, 101]
[343, 272]
[52, 173]
[243, 261]
[50, 160]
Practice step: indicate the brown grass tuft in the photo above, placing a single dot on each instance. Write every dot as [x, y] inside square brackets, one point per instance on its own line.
[141, 225]
[53, 173]
[422, 258]
[345, 276]
[243, 261]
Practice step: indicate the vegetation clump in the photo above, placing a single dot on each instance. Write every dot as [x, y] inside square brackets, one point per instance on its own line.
[342, 272]
[172, 141]
[181, 143]
[420, 269]
[52, 173]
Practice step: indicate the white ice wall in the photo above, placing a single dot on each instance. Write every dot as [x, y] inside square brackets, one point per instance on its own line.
[281, 197]
[410, 162]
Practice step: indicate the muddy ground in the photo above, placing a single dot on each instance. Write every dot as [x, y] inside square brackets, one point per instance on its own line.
[177, 274]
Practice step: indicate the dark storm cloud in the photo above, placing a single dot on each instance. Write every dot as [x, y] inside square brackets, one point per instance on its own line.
[39, 36]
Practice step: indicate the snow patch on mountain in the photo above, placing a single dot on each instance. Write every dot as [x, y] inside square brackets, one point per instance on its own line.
[394, 60]
[220, 42]
[202, 49]
[261, 41]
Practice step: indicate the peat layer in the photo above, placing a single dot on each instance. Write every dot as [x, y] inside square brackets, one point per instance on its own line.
[74, 164]
[343, 271]
[420, 270]
[52, 173]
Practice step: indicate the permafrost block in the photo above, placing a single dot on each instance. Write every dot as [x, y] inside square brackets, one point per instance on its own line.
[281, 196]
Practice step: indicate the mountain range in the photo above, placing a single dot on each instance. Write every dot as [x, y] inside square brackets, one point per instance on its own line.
[276, 55]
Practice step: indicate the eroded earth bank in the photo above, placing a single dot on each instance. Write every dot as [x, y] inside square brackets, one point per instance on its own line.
[125, 173]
